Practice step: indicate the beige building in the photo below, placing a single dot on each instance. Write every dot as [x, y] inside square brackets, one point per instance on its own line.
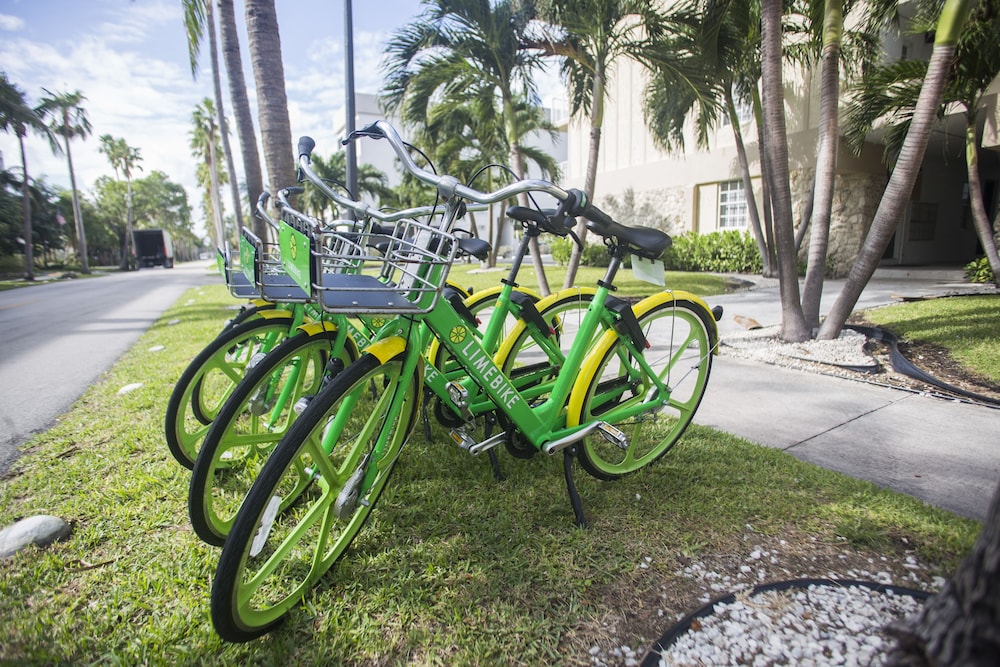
[702, 189]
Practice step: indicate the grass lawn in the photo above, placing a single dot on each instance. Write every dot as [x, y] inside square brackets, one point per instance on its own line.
[968, 327]
[453, 568]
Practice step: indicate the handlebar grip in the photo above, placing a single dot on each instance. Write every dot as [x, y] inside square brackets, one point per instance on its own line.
[292, 190]
[582, 207]
[306, 146]
[262, 199]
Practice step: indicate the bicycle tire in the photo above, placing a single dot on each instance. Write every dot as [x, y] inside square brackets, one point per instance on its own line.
[228, 354]
[251, 422]
[682, 339]
[272, 558]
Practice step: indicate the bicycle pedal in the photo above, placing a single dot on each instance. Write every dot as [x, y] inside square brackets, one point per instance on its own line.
[254, 360]
[462, 439]
[301, 405]
[613, 435]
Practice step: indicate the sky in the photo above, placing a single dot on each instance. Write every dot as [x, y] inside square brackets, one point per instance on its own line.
[129, 59]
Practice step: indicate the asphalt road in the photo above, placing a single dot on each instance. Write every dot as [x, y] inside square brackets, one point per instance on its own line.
[56, 339]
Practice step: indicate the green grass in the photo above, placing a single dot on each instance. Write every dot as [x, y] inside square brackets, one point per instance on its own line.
[968, 327]
[453, 568]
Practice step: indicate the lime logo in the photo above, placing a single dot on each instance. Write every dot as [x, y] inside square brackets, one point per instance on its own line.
[293, 249]
[457, 334]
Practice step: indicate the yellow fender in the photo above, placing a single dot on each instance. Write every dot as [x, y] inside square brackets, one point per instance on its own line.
[387, 348]
[274, 314]
[313, 328]
[589, 367]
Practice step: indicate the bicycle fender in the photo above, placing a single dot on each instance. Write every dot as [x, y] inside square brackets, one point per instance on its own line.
[274, 314]
[706, 312]
[387, 348]
[313, 328]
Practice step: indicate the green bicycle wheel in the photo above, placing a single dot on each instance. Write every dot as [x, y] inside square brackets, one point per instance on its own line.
[614, 388]
[211, 377]
[256, 416]
[309, 502]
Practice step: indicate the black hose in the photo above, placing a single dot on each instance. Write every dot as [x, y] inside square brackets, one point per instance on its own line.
[906, 367]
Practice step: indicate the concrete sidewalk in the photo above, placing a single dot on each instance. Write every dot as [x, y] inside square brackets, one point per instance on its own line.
[946, 453]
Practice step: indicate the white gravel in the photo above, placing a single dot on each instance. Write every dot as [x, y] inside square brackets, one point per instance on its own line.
[766, 346]
[818, 625]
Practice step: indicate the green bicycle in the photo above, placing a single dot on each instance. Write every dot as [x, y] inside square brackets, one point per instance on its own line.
[617, 404]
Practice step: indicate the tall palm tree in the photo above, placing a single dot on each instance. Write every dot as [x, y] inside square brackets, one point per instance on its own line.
[199, 16]
[589, 36]
[463, 50]
[954, 15]
[241, 109]
[69, 120]
[793, 323]
[125, 160]
[204, 145]
[272, 103]
[17, 117]
[892, 90]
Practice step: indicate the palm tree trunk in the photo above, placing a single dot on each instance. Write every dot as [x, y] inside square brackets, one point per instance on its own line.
[214, 198]
[81, 234]
[29, 251]
[269, 75]
[741, 153]
[241, 109]
[980, 217]
[770, 266]
[904, 175]
[826, 162]
[223, 126]
[590, 180]
[793, 324]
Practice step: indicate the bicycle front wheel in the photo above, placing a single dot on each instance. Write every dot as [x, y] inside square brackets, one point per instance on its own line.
[211, 377]
[313, 496]
[257, 415]
[614, 387]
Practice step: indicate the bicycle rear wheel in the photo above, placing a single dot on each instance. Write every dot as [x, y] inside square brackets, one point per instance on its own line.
[252, 421]
[211, 377]
[312, 497]
[614, 387]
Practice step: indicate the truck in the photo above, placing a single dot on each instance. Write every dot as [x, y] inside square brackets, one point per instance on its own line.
[153, 247]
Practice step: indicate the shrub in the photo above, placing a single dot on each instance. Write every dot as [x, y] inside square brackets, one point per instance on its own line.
[720, 252]
[594, 254]
[978, 271]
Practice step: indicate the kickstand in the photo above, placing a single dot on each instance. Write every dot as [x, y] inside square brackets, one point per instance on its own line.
[574, 497]
[494, 459]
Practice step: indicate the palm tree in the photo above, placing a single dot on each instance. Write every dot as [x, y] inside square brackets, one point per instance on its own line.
[69, 119]
[124, 160]
[269, 74]
[706, 66]
[204, 145]
[793, 323]
[890, 209]
[198, 15]
[462, 50]
[17, 117]
[241, 109]
[589, 36]
[892, 90]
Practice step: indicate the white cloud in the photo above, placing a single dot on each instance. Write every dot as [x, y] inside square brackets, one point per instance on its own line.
[11, 23]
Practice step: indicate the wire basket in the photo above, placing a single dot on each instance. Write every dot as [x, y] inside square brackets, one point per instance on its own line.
[384, 273]
[262, 266]
[238, 284]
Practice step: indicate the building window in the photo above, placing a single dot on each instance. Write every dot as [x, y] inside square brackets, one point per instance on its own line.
[743, 111]
[733, 210]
